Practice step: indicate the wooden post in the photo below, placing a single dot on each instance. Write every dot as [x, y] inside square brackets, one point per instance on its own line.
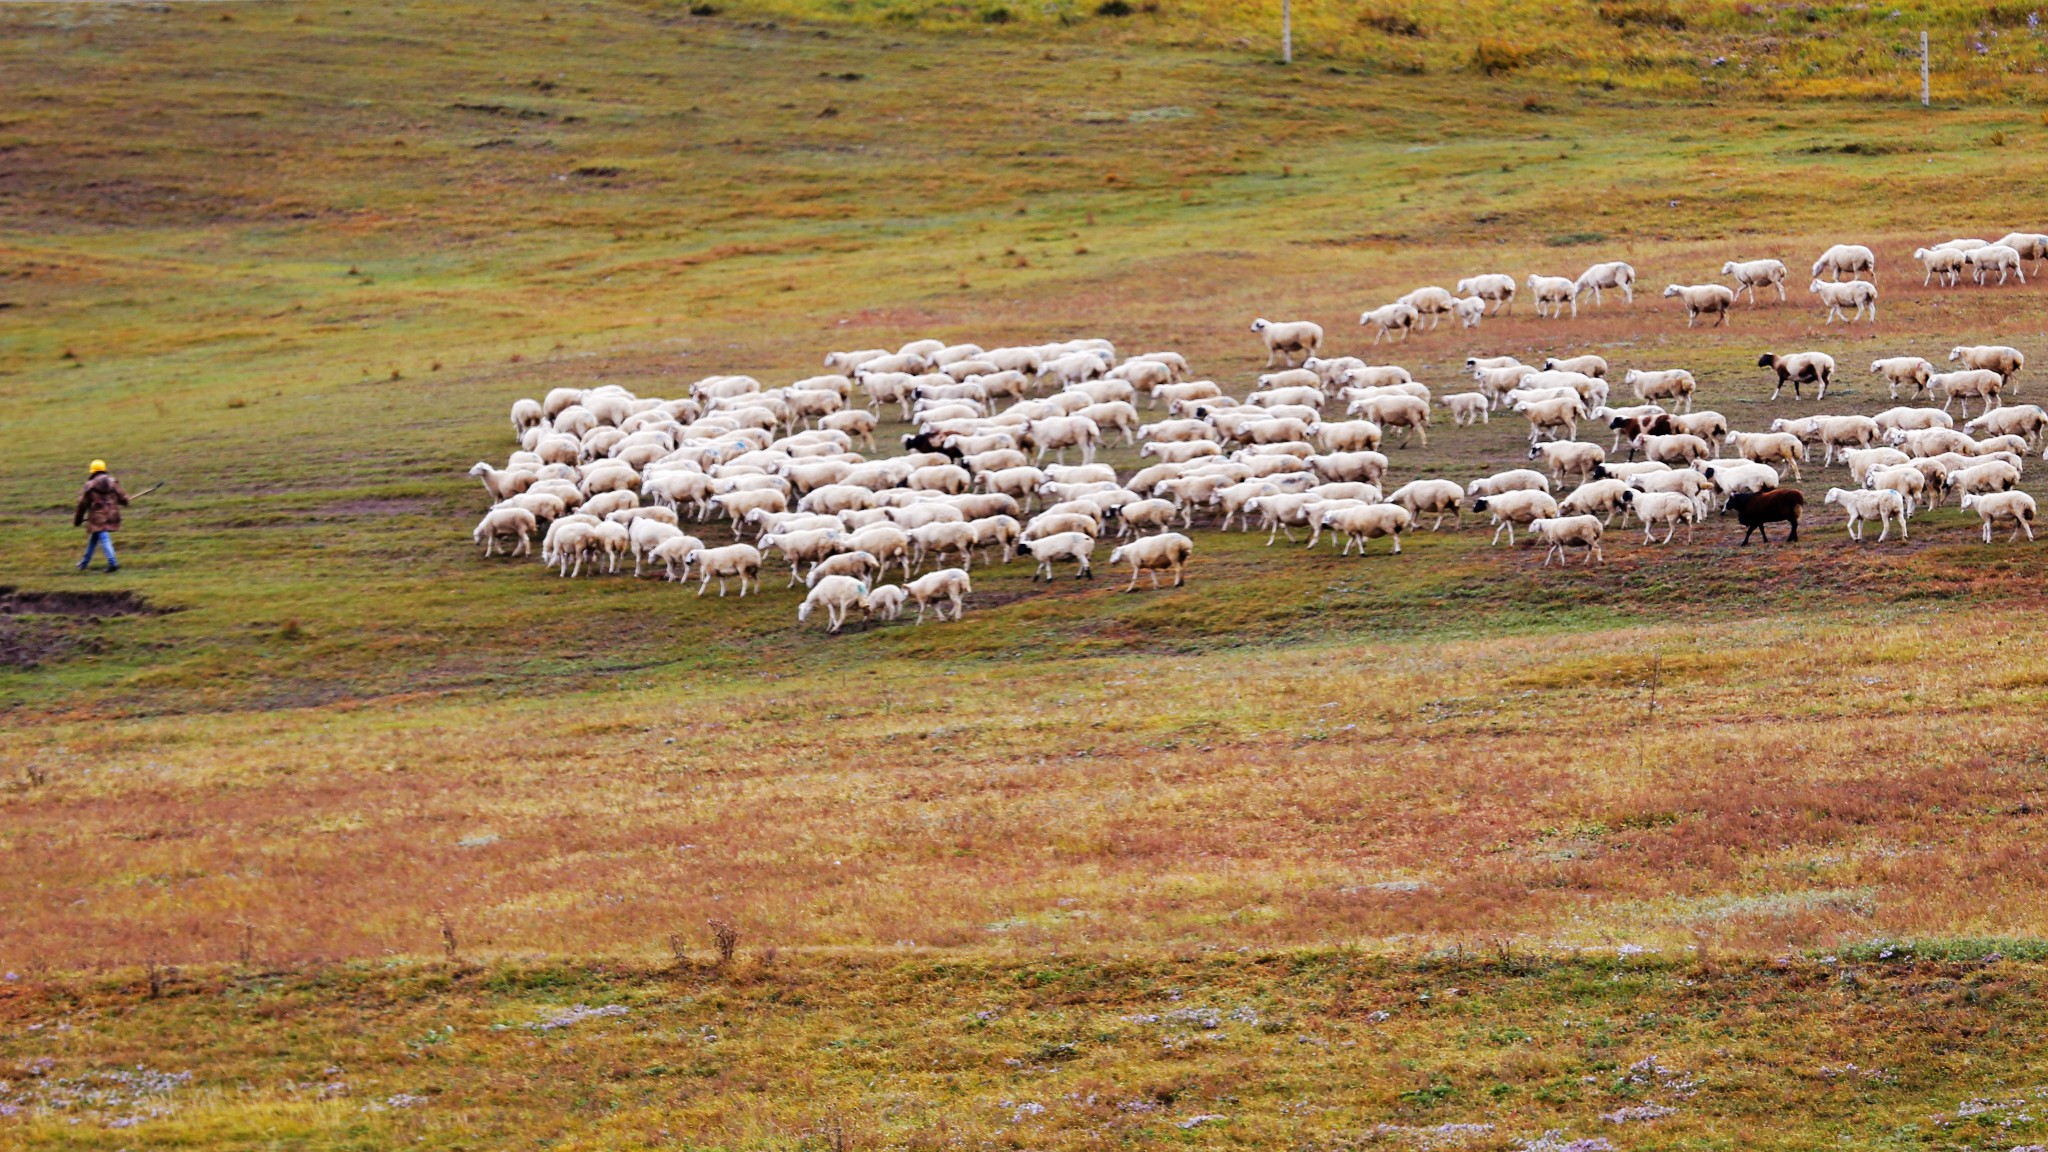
[1924, 92]
[1287, 32]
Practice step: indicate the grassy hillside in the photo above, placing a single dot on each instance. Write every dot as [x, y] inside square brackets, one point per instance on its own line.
[345, 799]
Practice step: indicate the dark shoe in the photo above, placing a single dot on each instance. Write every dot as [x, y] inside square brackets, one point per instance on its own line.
[84, 564]
[113, 568]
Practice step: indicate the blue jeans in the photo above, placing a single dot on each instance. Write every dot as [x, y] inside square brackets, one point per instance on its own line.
[103, 540]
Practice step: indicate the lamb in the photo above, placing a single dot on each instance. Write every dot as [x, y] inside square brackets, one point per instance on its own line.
[1863, 505]
[734, 560]
[1076, 546]
[674, 554]
[1470, 310]
[1860, 294]
[1613, 274]
[1674, 384]
[1998, 358]
[1995, 507]
[1512, 508]
[886, 602]
[1994, 257]
[1751, 273]
[1167, 550]
[1755, 510]
[1716, 300]
[1849, 258]
[2024, 420]
[1800, 368]
[838, 595]
[1981, 383]
[1560, 532]
[1467, 408]
[939, 589]
[1390, 317]
[1601, 498]
[1569, 456]
[1907, 481]
[1554, 292]
[510, 522]
[1362, 522]
[1496, 288]
[1946, 263]
[1285, 338]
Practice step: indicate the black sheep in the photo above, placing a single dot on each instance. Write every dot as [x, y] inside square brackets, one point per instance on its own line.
[1756, 509]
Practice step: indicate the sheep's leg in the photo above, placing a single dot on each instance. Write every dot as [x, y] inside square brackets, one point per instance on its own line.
[1596, 554]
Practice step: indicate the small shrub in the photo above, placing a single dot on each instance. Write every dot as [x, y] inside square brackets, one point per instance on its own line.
[703, 9]
[725, 939]
[1114, 8]
[996, 14]
[1392, 23]
[1493, 57]
[1643, 14]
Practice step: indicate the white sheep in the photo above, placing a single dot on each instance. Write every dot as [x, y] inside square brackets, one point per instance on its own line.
[1434, 497]
[1612, 274]
[947, 586]
[1603, 498]
[509, 521]
[1467, 408]
[1168, 551]
[1907, 481]
[502, 484]
[1362, 522]
[1287, 337]
[1055, 546]
[1390, 318]
[1432, 302]
[2023, 420]
[1511, 508]
[1716, 300]
[1768, 448]
[1556, 533]
[1994, 507]
[1588, 364]
[1749, 274]
[1979, 383]
[2002, 359]
[1495, 288]
[1944, 263]
[838, 595]
[1859, 294]
[1469, 310]
[1667, 508]
[1554, 292]
[734, 560]
[1550, 417]
[1849, 258]
[1994, 257]
[1881, 505]
[1675, 384]
[1569, 457]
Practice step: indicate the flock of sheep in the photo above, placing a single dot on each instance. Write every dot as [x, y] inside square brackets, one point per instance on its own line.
[1490, 294]
[614, 476]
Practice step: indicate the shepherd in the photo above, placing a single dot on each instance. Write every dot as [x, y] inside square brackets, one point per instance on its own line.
[99, 510]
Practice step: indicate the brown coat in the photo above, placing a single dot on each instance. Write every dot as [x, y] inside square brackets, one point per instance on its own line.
[99, 504]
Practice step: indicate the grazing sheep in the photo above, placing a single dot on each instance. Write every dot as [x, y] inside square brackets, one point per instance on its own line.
[1285, 338]
[1407, 413]
[838, 595]
[1495, 288]
[1863, 505]
[1560, 532]
[1849, 258]
[1768, 447]
[1586, 365]
[1075, 546]
[1994, 507]
[734, 560]
[1433, 497]
[1391, 317]
[1511, 508]
[502, 485]
[1994, 257]
[1674, 384]
[526, 415]
[1569, 456]
[886, 602]
[1800, 368]
[1749, 274]
[509, 522]
[1716, 300]
[1432, 302]
[1362, 522]
[1980, 383]
[939, 589]
[1554, 292]
[674, 554]
[2023, 420]
[1980, 479]
[1946, 263]
[1863, 461]
[1859, 294]
[1612, 274]
[1909, 419]
[858, 565]
[1754, 510]
[1167, 550]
